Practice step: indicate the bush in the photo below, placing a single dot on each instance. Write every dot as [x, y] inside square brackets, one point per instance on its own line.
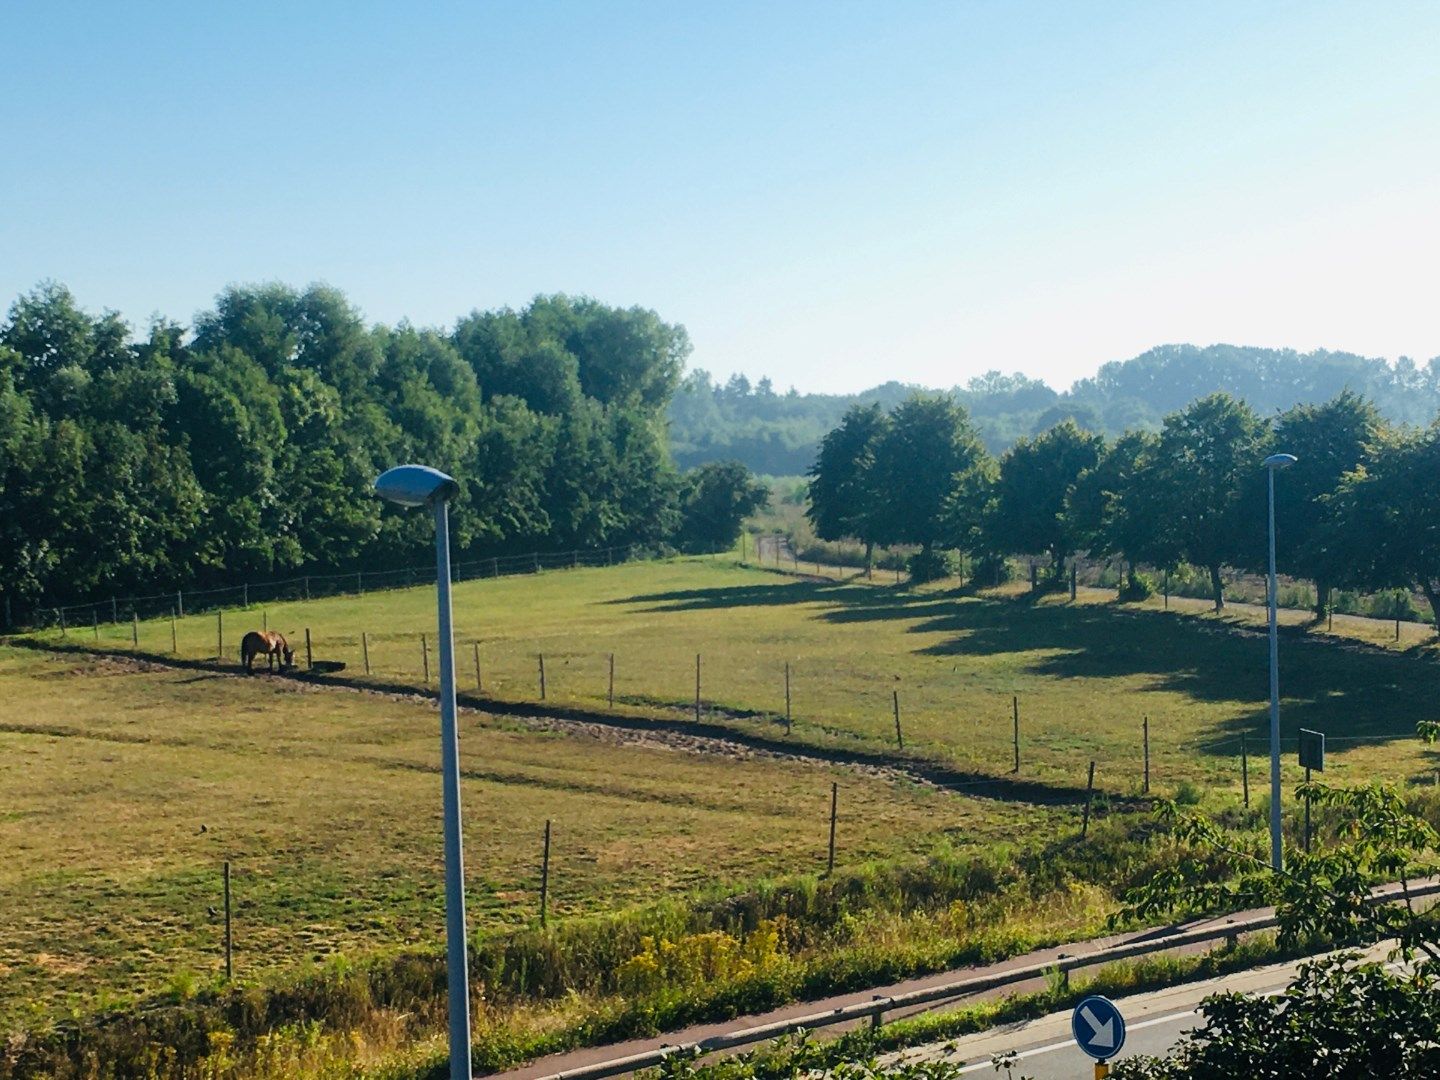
[932, 565]
[1138, 587]
[992, 570]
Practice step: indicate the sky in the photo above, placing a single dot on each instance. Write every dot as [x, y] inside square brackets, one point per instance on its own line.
[832, 194]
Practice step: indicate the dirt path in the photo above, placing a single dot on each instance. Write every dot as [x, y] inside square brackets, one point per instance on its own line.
[709, 736]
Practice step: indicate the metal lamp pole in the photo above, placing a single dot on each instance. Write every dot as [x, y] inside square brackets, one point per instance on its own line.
[419, 485]
[1272, 463]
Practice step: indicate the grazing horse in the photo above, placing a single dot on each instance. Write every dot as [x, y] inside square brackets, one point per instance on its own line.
[274, 647]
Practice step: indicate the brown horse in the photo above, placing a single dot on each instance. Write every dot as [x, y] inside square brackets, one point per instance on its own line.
[274, 647]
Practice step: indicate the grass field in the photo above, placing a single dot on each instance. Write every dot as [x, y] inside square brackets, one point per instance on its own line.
[126, 789]
[1086, 674]
[128, 782]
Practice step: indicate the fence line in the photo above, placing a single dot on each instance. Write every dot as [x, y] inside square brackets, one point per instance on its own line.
[181, 602]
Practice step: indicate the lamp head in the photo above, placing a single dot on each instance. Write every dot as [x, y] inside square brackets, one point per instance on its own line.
[1279, 461]
[415, 485]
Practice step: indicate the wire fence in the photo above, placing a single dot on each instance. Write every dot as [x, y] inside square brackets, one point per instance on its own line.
[114, 610]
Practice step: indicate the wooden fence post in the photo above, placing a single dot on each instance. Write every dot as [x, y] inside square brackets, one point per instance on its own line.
[425, 657]
[1089, 795]
[309, 653]
[359, 583]
[229, 937]
[264, 619]
[114, 611]
[899, 736]
[135, 629]
[95, 615]
[245, 595]
[307, 587]
[174, 634]
[611, 697]
[697, 688]
[545, 879]
[1167, 590]
[787, 698]
[1145, 729]
[219, 635]
[1307, 810]
[1015, 708]
[479, 683]
[1072, 581]
[834, 803]
[365, 649]
[179, 602]
[1245, 767]
[542, 676]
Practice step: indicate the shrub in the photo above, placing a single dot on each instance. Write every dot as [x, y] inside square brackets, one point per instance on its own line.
[992, 570]
[1138, 587]
[932, 565]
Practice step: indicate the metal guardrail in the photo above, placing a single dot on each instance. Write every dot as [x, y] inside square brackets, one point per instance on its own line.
[874, 1010]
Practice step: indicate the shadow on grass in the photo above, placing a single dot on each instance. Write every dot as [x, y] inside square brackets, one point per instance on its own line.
[1351, 691]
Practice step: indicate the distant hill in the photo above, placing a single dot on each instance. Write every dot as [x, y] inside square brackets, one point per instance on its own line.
[777, 434]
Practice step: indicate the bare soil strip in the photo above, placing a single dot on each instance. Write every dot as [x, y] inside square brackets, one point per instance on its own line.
[689, 736]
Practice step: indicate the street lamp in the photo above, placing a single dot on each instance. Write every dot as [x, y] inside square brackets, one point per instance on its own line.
[420, 485]
[1272, 464]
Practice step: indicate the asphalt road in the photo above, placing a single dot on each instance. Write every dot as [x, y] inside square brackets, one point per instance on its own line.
[1045, 1050]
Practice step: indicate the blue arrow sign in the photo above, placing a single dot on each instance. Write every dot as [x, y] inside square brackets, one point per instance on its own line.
[1098, 1027]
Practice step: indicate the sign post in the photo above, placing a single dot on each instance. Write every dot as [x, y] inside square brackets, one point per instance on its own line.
[1099, 1030]
[1312, 756]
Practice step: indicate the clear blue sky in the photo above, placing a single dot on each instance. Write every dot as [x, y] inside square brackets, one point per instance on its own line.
[834, 194]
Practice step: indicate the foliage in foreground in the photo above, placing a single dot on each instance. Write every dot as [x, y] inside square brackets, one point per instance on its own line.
[633, 973]
[1339, 1017]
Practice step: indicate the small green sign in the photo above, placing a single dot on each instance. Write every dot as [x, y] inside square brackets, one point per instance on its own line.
[1312, 750]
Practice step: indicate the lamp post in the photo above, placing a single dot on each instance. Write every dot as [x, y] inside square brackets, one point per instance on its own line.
[1273, 463]
[420, 485]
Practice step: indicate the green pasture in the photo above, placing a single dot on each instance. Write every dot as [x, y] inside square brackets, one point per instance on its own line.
[126, 789]
[1087, 675]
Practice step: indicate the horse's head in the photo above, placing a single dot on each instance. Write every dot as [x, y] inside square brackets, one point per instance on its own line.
[289, 655]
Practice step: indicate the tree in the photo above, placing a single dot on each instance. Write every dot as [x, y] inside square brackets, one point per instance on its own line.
[1328, 441]
[715, 500]
[1205, 455]
[1384, 516]
[1339, 1017]
[932, 473]
[845, 500]
[1036, 478]
[1112, 511]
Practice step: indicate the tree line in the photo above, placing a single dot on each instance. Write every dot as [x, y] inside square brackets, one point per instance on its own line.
[779, 432]
[247, 444]
[1358, 509]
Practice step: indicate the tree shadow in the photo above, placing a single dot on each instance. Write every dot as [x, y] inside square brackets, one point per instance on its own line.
[801, 591]
[1351, 691]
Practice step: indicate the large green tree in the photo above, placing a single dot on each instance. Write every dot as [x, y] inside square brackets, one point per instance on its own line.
[1036, 478]
[1206, 453]
[715, 500]
[932, 476]
[1383, 523]
[1112, 510]
[1328, 441]
[845, 498]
